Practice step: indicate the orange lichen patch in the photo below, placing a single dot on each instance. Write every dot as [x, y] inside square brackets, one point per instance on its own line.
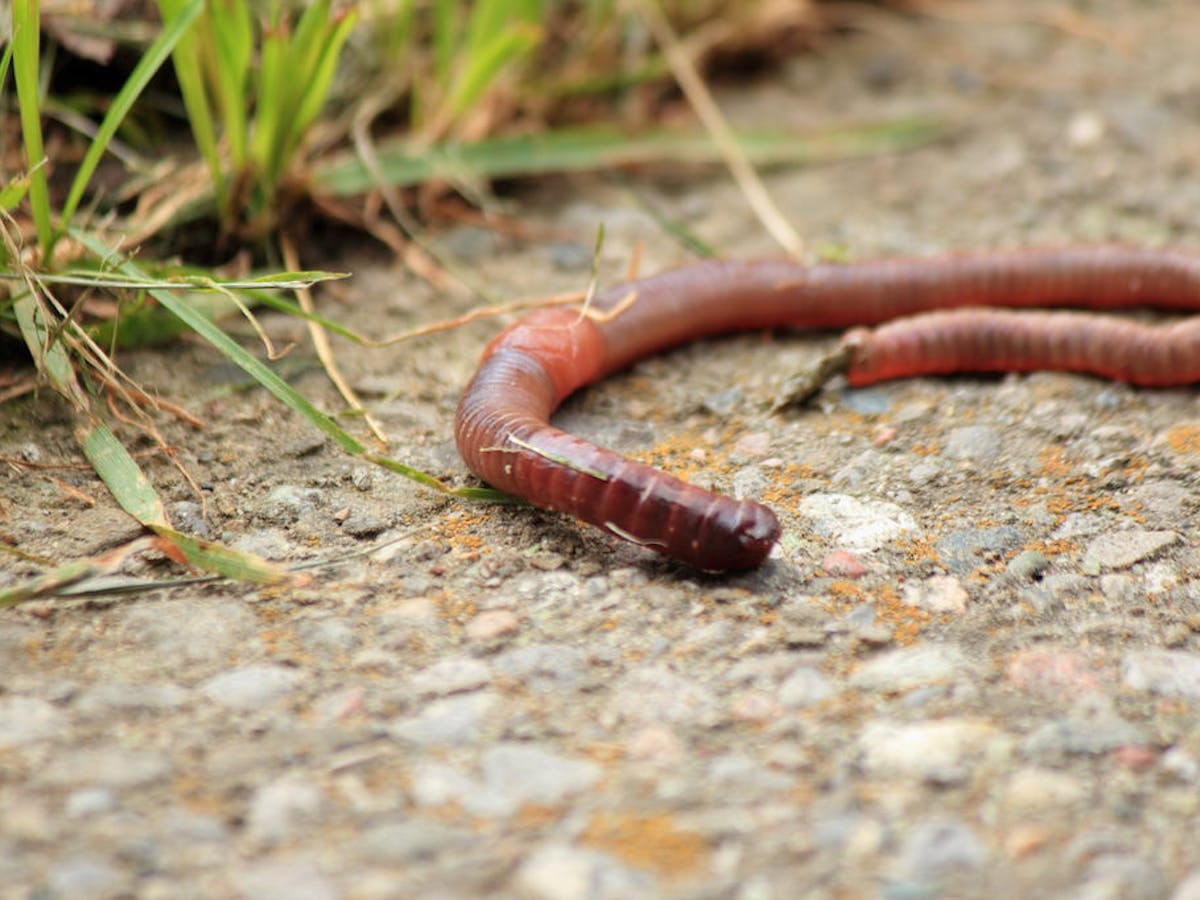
[652, 842]
[905, 621]
[604, 754]
[783, 483]
[689, 453]
[1055, 463]
[919, 551]
[454, 609]
[198, 796]
[1053, 548]
[1184, 439]
[534, 817]
[459, 531]
[1135, 468]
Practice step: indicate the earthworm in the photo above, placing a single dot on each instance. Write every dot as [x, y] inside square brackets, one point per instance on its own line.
[502, 425]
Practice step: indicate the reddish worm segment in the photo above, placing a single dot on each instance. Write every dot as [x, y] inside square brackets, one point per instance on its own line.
[503, 430]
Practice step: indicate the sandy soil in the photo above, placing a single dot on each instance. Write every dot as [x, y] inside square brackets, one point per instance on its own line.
[972, 667]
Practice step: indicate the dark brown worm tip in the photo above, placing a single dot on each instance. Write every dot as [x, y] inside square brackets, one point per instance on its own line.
[746, 543]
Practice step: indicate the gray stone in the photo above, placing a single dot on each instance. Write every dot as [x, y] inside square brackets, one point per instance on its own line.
[972, 442]
[939, 752]
[804, 687]
[513, 775]
[739, 775]
[562, 872]
[411, 840]
[85, 876]
[1121, 549]
[288, 501]
[965, 550]
[1091, 727]
[1122, 876]
[90, 802]
[1169, 673]
[293, 877]
[282, 808]
[327, 634]
[182, 631]
[856, 525]
[655, 694]
[251, 687]
[119, 698]
[450, 720]
[521, 774]
[910, 667]
[450, 675]
[24, 720]
[107, 766]
[935, 849]
[1028, 565]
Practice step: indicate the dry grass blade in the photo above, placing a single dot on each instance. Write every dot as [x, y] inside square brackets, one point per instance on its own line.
[324, 350]
[706, 108]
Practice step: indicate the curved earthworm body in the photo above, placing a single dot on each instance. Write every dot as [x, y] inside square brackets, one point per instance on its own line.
[503, 429]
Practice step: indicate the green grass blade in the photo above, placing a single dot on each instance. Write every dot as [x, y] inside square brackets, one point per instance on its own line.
[5, 63]
[445, 39]
[26, 27]
[136, 495]
[212, 557]
[49, 356]
[156, 54]
[320, 76]
[14, 192]
[481, 67]
[232, 351]
[190, 74]
[266, 146]
[122, 475]
[232, 33]
[51, 582]
[571, 150]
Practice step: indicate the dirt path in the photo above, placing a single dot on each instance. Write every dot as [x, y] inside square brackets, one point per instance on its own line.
[971, 669]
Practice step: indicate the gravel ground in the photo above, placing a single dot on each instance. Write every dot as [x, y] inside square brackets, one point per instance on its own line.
[972, 667]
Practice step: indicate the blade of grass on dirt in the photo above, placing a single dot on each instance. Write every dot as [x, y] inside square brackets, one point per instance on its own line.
[136, 495]
[268, 378]
[598, 148]
[117, 468]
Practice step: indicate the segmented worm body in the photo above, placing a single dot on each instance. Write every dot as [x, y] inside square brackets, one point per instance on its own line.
[503, 429]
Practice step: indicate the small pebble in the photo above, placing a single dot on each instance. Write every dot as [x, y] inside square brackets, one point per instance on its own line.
[561, 872]
[451, 720]
[492, 624]
[450, 675]
[24, 720]
[938, 594]
[280, 810]
[911, 667]
[843, 564]
[972, 442]
[1121, 549]
[1169, 673]
[934, 849]
[860, 526]
[251, 687]
[805, 687]
[942, 752]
